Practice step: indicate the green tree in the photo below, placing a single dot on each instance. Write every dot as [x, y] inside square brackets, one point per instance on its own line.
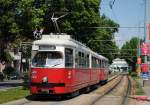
[103, 39]
[23, 16]
[29, 17]
[129, 51]
[9, 29]
[83, 16]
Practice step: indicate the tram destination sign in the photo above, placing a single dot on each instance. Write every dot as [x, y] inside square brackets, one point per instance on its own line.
[47, 47]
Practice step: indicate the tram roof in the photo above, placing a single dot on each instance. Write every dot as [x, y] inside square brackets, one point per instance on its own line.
[64, 40]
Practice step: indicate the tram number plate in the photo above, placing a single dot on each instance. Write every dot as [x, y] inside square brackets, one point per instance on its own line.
[45, 90]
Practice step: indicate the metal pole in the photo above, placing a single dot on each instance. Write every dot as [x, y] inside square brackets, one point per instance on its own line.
[145, 35]
[145, 20]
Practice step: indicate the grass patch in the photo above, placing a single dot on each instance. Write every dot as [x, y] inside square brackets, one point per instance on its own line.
[13, 94]
[138, 87]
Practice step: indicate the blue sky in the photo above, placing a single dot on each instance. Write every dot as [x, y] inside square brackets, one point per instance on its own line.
[127, 13]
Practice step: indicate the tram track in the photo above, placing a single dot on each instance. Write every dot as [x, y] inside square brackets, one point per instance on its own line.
[106, 89]
[125, 101]
[83, 99]
[118, 95]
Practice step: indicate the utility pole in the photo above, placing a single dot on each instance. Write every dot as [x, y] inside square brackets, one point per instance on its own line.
[139, 61]
[145, 20]
[145, 34]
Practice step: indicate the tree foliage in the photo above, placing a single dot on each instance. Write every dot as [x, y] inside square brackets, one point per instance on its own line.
[9, 29]
[19, 18]
[129, 51]
[8, 25]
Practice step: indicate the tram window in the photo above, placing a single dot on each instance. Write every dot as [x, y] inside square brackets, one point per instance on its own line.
[83, 63]
[102, 64]
[94, 62]
[76, 60]
[47, 58]
[81, 60]
[87, 61]
[97, 63]
[68, 57]
[80, 63]
[105, 64]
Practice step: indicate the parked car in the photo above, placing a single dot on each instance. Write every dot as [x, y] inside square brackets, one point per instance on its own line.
[14, 76]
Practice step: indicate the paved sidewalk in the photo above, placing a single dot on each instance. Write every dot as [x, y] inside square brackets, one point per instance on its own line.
[145, 99]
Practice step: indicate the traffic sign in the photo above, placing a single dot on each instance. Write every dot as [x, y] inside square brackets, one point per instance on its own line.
[145, 76]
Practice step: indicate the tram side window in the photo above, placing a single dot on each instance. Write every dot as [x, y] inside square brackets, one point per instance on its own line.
[94, 64]
[84, 60]
[68, 57]
[106, 64]
[87, 61]
[102, 64]
[97, 63]
[81, 60]
[83, 64]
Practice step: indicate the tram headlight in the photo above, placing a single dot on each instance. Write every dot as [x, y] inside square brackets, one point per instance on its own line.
[69, 74]
[33, 74]
[45, 80]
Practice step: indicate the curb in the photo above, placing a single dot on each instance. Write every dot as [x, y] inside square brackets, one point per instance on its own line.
[16, 102]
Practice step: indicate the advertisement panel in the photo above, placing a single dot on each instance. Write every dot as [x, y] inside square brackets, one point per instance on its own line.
[145, 49]
[144, 67]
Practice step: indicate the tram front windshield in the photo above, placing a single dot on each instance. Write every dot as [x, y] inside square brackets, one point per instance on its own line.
[47, 59]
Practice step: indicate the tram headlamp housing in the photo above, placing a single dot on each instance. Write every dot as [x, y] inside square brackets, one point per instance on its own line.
[45, 80]
[33, 74]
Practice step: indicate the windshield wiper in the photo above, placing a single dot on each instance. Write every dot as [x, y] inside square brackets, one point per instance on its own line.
[56, 65]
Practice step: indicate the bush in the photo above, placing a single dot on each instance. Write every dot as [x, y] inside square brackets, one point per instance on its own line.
[134, 74]
[9, 70]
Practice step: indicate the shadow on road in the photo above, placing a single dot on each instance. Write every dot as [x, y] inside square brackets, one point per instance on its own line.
[48, 97]
[43, 97]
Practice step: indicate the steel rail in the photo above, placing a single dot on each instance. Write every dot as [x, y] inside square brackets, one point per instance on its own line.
[102, 95]
[125, 100]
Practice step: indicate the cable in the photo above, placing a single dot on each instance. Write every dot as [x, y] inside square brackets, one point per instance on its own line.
[111, 4]
[118, 27]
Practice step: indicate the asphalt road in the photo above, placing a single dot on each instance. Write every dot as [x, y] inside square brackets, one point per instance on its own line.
[6, 84]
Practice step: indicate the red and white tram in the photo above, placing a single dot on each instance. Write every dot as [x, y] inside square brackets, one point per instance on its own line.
[61, 65]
